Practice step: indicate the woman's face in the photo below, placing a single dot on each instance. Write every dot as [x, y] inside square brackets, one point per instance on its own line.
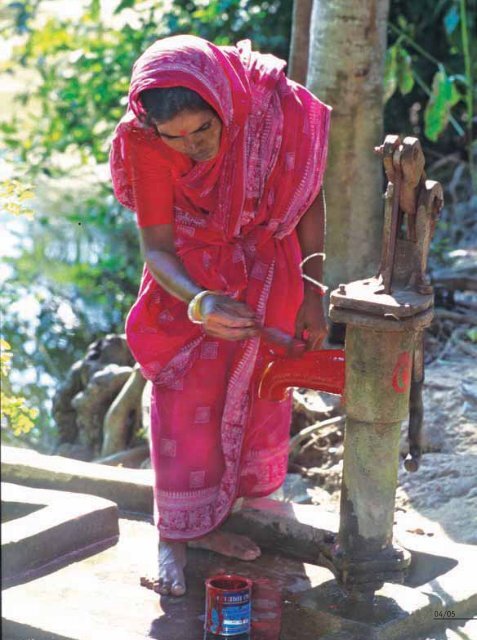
[195, 133]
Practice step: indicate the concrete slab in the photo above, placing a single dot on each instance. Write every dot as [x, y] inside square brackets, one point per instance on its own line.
[439, 587]
[57, 526]
[441, 577]
[130, 489]
[100, 596]
[285, 527]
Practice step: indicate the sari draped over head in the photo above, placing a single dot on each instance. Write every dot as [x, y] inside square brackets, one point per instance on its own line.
[212, 439]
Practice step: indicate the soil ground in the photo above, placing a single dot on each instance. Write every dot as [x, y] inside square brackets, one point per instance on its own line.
[444, 489]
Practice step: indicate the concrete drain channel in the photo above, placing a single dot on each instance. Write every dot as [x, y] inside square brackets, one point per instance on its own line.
[44, 528]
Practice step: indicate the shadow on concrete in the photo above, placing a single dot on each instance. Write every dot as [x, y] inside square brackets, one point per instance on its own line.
[13, 510]
[425, 567]
[274, 580]
[188, 614]
[58, 563]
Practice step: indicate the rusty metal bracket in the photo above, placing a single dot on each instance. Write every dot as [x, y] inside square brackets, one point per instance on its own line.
[411, 197]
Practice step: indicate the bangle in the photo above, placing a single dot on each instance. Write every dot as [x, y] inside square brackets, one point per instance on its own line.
[312, 255]
[194, 312]
[317, 287]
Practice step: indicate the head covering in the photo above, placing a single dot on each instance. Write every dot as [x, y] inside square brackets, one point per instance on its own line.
[192, 62]
[273, 148]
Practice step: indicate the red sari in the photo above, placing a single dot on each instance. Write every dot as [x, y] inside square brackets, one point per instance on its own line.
[212, 439]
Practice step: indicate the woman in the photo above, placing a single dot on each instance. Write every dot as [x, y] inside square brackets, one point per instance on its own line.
[222, 158]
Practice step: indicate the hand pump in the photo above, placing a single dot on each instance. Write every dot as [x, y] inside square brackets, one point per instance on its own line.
[385, 317]
[382, 371]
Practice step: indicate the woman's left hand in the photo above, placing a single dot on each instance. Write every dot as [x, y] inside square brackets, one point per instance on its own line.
[310, 322]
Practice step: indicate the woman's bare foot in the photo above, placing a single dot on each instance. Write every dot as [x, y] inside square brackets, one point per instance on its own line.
[172, 561]
[228, 544]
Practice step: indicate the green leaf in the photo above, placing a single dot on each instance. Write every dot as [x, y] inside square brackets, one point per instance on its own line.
[390, 73]
[472, 335]
[443, 97]
[451, 20]
[405, 78]
[124, 4]
[95, 9]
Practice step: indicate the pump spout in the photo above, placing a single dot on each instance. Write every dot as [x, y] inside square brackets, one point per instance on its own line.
[319, 370]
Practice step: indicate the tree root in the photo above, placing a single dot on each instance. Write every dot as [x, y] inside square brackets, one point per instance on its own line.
[129, 458]
[124, 415]
[92, 403]
[296, 441]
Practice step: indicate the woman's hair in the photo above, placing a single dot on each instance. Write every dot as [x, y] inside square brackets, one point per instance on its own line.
[165, 103]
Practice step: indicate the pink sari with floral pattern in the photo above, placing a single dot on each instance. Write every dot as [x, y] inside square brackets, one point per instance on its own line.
[212, 439]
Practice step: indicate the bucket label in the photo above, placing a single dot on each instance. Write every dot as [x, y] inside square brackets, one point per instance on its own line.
[231, 620]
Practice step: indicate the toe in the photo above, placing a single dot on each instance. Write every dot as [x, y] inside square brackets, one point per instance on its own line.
[178, 589]
[252, 554]
[247, 548]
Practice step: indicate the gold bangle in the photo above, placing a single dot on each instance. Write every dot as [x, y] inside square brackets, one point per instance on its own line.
[194, 312]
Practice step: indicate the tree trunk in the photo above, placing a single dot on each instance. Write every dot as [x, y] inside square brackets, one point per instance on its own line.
[346, 62]
[300, 40]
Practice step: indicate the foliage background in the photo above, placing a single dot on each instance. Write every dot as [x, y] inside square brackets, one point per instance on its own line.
[73, 269]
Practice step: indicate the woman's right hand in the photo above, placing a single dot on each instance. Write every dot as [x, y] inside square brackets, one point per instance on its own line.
[226, 318]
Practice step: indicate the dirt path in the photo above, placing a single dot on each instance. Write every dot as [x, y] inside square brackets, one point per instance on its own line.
[442, 496]
[444, 489]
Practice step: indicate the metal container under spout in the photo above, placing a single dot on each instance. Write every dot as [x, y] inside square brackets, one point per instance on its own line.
[228, 606]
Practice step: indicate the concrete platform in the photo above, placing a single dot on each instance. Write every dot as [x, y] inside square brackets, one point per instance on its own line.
[100, 597]
[130, 489]
[45, 528]
[441, 583]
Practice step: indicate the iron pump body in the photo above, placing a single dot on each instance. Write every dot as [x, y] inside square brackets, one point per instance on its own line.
[385, 316]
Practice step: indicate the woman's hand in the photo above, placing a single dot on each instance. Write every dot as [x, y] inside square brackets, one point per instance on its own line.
[310, 322]
[228, 319]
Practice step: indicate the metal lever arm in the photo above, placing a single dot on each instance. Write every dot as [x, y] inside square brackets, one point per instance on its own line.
[416, 407]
